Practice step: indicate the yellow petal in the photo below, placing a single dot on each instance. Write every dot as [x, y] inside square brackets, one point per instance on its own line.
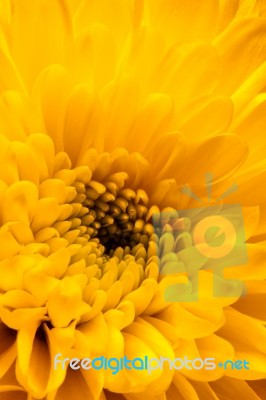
[12, 271]
[39, 345]
[150, 122]
[39, 26]
[113, 96]
[212, 116]
[214, 155]
[19, 202]
[242, 48]
[170, 147]
[95, 336]
[25, 161]
[94, 48]
[246, 92]
[19, 116]
[251, 128]
[18, 318]
[186, 322]
[81, 120]
[46, 213]
[179, 76]
[10, 76]
[42, 148]
[105, 13]
[194, 20]
[9, 245]
[165, 328]
[254, 268]
[50, 93]
[65, 303]
[145, 291]
[77, 385]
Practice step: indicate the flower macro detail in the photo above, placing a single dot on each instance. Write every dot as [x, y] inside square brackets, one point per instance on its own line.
[123, 123]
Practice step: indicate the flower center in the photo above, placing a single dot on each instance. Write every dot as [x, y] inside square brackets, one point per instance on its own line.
[116, 217]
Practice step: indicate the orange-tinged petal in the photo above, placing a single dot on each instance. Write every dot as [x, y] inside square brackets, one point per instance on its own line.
[259, 387]
[229, 387]
[9, 391]
[181, 389]
[250, 345]
[205, 391]
[8, 349]
[250, 304]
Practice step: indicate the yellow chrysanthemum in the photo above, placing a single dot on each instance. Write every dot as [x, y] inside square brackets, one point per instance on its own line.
[108, 110]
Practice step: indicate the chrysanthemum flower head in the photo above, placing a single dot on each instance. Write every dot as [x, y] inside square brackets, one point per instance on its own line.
[111, 115]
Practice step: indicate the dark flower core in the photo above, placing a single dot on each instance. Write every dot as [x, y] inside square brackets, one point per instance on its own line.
[117, 217]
